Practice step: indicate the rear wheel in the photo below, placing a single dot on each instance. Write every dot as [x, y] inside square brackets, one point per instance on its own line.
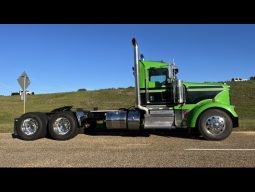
[32, 126]
[215, 124]
[63, 126]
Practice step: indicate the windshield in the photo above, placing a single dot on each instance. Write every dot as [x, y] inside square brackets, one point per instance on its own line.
[158, 75]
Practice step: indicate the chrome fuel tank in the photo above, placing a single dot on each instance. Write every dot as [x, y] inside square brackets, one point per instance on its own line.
[116, 120]
[133, 120]
[123, 119]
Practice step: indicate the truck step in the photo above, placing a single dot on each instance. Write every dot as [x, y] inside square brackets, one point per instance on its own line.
[164, 112]
[158, 121]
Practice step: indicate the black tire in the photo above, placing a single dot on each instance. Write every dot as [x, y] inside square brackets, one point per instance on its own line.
[37, 126]
[45, 118]
[221, 128]
[68, 131]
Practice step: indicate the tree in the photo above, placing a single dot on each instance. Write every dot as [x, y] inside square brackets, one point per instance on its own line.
[82, 89]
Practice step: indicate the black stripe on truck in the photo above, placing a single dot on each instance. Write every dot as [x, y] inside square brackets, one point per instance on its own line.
[155, 88]
[204, 87]
[194, 97]
[189, 87]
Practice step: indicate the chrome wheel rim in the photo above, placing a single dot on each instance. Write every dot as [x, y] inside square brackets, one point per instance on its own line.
[61, 126]
[215, 125]
[29, 126]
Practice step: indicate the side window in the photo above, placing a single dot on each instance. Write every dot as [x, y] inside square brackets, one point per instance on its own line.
[158, 75]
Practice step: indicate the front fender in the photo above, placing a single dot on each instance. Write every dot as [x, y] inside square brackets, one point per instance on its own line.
[195, 113]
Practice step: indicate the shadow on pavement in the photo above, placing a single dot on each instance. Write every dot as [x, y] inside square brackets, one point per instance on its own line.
[175, 133]
[179, 133]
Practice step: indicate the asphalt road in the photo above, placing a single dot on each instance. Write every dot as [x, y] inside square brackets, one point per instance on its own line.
[109, 150]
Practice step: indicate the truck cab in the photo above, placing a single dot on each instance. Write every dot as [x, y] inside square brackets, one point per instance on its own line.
[171, 103]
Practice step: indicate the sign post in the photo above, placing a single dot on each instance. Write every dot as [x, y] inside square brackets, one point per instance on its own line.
[24, 82]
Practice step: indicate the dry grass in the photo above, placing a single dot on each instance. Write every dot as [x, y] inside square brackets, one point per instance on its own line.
[242, 96]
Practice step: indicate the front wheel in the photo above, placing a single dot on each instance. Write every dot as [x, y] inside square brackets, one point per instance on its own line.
[215, 125]
[63, 126]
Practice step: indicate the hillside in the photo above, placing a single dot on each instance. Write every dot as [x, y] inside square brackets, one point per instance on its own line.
[242, 96]
[12, 106]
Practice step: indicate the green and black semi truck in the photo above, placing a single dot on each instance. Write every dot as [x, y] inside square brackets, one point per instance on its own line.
[162, 102]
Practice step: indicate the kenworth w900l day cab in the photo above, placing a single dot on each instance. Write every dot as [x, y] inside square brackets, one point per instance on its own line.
[162, 102]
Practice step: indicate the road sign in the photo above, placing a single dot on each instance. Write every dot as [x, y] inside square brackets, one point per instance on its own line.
[23, 80]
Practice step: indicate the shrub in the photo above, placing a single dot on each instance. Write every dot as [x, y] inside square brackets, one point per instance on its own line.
[82, 90]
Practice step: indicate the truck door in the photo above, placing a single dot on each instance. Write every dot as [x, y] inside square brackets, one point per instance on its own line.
[157, 86]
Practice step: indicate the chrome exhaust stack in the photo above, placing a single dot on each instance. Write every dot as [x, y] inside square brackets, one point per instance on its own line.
[137, 75]
[180, 88]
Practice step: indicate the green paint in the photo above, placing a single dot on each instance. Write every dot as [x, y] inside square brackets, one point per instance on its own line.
[220, 101]
[144, 67]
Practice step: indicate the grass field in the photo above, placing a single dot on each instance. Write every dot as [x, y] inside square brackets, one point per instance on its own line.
[12, 106]
[242, 96]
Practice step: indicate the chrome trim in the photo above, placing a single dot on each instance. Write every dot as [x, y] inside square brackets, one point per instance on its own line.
[215, 125]
[171, 72]
[80, 115]
[158, 122]
[29, 126]
[116, 120]
[137, 72]
[133, 120]
[180, 91]
[61, 126]
[178, 117]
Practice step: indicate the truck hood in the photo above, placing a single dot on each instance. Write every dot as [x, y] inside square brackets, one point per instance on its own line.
[205, 85]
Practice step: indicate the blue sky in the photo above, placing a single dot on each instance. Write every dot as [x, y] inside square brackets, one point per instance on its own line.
[61, 58]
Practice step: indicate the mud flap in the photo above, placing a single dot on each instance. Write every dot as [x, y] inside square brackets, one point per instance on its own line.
[15, 134]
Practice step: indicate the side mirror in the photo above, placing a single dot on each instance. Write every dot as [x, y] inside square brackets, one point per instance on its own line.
[172, 71]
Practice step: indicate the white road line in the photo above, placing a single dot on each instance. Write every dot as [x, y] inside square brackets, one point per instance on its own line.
[137, 144]
[249, 132]
[220, 149]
